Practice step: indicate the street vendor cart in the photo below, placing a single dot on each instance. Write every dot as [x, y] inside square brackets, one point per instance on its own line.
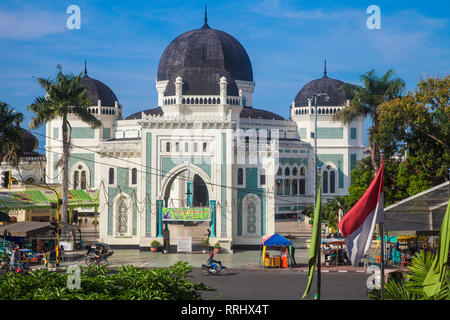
[284, 260]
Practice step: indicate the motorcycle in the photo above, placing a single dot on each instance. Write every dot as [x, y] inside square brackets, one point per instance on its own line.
[208, 269]
[98, 254]
[96, 259]
[21, 267]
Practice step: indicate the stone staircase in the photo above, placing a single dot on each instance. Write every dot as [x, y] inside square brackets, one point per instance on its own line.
[298, 233]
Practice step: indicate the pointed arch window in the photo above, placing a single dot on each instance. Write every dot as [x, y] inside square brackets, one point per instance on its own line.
[83, 182]
[279, 172]
[76, 179]
[325, 182]
[240, 176]
[329, 180]
[111, 176]
[134, 176]
[332, 181]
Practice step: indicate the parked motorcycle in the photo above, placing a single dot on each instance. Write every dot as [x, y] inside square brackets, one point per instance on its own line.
[208, 269]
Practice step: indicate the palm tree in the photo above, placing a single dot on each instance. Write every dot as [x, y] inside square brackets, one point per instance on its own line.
[11, 135]
[410, 287]
[63, 94]
[366, 102]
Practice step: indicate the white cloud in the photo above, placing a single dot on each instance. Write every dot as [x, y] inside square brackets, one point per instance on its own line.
[30, 23]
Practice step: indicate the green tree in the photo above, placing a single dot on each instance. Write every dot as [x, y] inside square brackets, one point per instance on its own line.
[417, 126]
[332, 208]
[11, 135]
[366, 102]
[63, 95]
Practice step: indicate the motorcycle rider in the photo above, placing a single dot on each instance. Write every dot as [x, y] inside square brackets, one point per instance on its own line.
[211, 262]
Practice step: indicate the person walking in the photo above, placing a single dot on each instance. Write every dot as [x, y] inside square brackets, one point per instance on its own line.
[62, 253]
[207, 234]
[15, 258]
[293, 255]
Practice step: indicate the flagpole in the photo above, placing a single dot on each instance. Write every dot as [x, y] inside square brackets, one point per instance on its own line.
[382, 260]
[382, 245]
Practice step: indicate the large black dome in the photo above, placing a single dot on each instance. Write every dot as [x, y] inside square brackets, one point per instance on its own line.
[98, 90]
[332, 87]
[205, 48]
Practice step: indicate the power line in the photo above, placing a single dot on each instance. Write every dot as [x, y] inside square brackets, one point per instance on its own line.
[164, 173]
[286, 202]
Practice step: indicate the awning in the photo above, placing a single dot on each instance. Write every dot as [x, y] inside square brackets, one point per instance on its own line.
[42, 199]
[77, 198]
[23, 200]
[276, 240]
[24, 229]
[423, 211]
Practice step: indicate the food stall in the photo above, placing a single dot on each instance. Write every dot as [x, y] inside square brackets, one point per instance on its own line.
[334, 251]
[284, 260]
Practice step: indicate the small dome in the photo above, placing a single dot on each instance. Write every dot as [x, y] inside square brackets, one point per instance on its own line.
[332, 87]
[205, 48]
[97, 90]
[31, 143]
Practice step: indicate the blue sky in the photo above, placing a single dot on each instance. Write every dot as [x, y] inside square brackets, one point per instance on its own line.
[287, 42]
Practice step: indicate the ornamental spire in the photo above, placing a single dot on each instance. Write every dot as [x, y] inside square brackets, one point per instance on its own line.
[325, 69]
[206, 14]
[85, 68]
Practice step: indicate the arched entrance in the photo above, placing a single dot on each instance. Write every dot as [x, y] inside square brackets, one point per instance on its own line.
[188, 187]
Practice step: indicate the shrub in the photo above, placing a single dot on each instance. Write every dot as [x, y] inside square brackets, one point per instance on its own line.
[155, 244]
[205, 243]
[129, 283]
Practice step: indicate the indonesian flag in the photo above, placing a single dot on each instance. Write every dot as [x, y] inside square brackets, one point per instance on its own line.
[358, 224]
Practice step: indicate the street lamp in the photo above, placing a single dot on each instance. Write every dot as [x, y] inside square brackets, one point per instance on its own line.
[314, 96]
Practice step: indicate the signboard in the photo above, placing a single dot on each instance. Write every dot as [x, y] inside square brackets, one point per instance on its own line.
[184, 244]
[185, 214]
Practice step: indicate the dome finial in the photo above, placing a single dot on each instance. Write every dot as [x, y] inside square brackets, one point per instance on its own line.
[325, 69]
[85, 68]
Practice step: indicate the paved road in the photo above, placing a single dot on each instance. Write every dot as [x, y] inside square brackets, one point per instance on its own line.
[275, 285]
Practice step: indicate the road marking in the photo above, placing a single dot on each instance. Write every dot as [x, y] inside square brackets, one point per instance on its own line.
[143, 264]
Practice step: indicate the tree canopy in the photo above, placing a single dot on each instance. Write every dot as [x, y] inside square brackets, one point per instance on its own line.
[11, 135]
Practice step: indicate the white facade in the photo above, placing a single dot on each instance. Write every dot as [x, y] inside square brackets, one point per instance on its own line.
[248, 169]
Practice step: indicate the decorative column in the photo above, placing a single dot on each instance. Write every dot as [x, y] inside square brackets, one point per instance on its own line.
[189, 194]
[213, 218]
[166, 205]
[178, 89]
[223, 90]
[160, 205]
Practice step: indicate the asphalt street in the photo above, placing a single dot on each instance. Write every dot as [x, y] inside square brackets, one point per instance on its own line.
[268, 285]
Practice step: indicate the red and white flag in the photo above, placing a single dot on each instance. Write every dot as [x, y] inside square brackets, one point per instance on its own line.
[358, 224]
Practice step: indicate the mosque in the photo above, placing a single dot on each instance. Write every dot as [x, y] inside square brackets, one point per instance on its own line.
[205, 153]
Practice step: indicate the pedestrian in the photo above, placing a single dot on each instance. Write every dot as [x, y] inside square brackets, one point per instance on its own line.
[62, 253]
[208, 233]
[15, 258]
[293, 255]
